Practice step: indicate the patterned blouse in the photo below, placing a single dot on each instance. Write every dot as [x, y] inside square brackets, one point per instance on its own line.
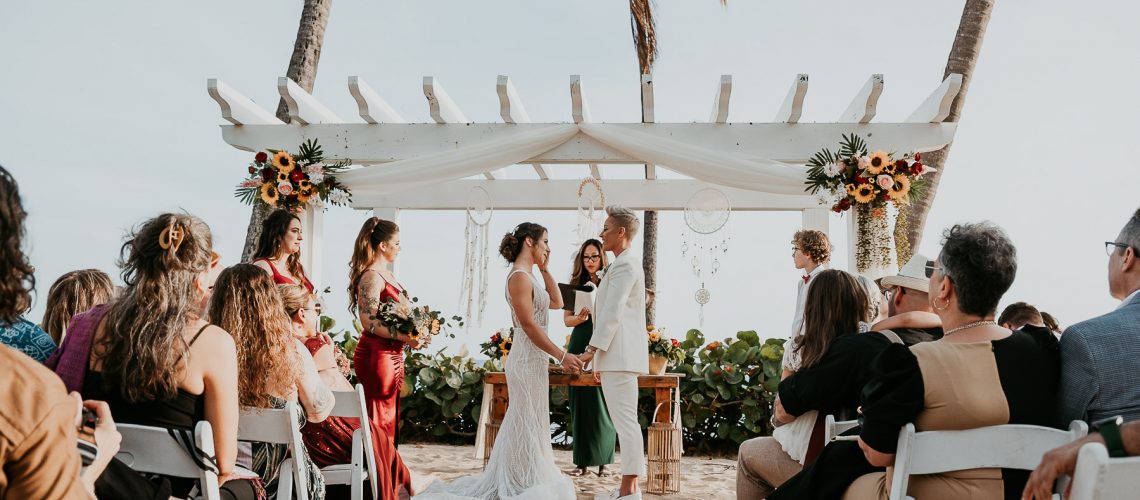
[26, 337]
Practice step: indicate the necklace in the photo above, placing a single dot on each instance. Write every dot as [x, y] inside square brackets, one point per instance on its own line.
[969, 325]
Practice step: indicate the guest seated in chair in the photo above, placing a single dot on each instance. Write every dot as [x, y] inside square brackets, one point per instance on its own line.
[1121, 440]
[979, 374]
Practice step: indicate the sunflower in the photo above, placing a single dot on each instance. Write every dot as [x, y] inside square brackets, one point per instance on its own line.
[505, 346]
[654, 337]
[850, 189]
[879, 160]
[901, 188]
[865, 193]
[282, 177]
[303, 195]
[283, 161]
[269, 194]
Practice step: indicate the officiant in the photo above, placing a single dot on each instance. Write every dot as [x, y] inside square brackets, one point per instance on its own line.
[594, 434]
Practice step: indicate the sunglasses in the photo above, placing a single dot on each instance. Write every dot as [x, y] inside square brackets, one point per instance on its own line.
[930, 268]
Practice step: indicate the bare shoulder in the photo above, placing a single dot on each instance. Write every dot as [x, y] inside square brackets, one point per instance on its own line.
[216, 341]
[263, 264]
[519, 282]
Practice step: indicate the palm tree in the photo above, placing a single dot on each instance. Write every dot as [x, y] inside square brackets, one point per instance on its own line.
[303, 70]
[645, 41]
[963, 58]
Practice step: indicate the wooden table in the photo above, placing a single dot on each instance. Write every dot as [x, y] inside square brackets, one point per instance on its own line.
[662, 385]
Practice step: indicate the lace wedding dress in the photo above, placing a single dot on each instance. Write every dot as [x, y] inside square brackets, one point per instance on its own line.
[521, 466]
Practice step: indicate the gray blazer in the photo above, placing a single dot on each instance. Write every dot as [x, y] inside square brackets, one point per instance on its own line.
[1100, 366]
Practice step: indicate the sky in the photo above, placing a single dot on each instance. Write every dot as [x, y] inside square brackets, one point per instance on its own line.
[105, 121]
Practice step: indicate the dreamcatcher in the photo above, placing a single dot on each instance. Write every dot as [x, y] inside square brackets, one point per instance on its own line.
[704, 244]
[591, 209]
[479, 210]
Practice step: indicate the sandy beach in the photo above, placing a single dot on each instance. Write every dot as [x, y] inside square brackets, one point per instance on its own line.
[703, 478]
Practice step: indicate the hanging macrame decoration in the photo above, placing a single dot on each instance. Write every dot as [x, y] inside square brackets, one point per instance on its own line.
[707, 239]
[479, 210]
[591, 209]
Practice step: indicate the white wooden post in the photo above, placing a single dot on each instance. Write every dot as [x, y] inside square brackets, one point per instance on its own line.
[852, 240]
[392, 214]
[312, 246]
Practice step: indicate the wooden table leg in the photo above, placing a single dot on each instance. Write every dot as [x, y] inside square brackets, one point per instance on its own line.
[664, 411]
[499, 401]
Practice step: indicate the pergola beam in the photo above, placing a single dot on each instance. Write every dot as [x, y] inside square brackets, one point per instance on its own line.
[863, 107]
[238, 109]
[369, 144]
[541, 171]
[647, 116]
[936, 107]
[636, 194]
[578, 107]
[303, 107]
[440, 105]
[372, 108]
[793, 105]
[720, 101]
[510, 105]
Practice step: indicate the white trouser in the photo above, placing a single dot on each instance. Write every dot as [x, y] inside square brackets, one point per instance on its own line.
[620, 391]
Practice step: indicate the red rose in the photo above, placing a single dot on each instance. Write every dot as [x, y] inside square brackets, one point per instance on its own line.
[252, 170]
[297, 175]
[900, 164]
[836, 208]
[917, 156]
[916, 167]
[261, 157]
[268, 174]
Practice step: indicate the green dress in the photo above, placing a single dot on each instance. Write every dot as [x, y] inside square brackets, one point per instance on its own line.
[594, 435]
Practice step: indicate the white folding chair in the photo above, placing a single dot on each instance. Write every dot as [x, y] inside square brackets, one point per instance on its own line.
[154, 450]
[279, 426]
[1098, 477]
[1008, 446]
[833, 428]
[351, 404]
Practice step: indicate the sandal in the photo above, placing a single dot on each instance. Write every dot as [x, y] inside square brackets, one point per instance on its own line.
[577, 472]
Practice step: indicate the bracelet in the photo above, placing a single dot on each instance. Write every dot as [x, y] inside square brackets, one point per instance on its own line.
[563, 358]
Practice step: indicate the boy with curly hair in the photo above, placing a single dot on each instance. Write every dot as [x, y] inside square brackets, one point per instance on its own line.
[811, 251]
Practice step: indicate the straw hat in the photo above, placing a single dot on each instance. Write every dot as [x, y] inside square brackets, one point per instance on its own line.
[912, 275]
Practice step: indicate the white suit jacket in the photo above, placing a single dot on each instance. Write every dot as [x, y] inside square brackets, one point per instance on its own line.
[619, 318]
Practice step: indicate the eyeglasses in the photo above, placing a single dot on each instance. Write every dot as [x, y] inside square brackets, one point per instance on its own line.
[930, 268]
[592, 258]
[889, 293]
[1111, 246]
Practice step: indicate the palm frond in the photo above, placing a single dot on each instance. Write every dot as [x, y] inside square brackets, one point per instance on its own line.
[644, 33]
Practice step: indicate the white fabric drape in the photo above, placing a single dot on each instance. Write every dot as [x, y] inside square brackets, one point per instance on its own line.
[696, 161]
[462, 162]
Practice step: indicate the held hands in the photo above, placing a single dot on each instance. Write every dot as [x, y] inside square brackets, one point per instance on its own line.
[586, 358]
[572, 363]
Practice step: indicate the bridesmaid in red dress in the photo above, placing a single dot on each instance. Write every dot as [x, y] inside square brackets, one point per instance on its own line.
[330, 442]
[279, 249]
[379, 358]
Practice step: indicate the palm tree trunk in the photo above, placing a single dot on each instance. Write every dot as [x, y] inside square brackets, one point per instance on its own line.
[649, 263]
[963, 58]
[645, 41]
[303, 70]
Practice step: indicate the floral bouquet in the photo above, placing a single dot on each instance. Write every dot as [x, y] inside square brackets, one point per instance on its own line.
[403, 316]
[850, 176]
[667, 348]
[279, 179]
[499, 345]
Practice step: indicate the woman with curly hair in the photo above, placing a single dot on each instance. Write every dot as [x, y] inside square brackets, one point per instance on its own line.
[71, 294]
[273, 367]
[152, 356]
[16, 278]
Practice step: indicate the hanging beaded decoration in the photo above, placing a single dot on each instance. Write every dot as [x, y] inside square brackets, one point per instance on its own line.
[706, 216]
[591, 209]
[475, 259]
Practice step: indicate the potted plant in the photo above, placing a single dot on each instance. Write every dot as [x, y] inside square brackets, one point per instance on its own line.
[663, 351]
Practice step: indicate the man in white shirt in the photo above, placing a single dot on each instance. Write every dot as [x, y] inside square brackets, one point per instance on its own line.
[811, 251]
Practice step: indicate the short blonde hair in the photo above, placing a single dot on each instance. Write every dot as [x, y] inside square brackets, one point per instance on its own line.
[625, 218]
[814, 244]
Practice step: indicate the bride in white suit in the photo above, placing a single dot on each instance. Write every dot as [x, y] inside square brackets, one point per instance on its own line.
[620, 344]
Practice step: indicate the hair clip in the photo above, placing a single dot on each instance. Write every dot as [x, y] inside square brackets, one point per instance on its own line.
[171, 237]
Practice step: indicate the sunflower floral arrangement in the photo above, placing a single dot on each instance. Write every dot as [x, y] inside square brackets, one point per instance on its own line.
[404, 316]
[668, 348]
[868, 182]
[498, 345]
[294, 182]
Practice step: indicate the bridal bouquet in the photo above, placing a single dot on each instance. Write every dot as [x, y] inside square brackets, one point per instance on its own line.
[404, 316]
[499, 345]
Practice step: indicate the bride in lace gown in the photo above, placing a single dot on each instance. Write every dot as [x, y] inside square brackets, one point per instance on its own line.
[521, 466]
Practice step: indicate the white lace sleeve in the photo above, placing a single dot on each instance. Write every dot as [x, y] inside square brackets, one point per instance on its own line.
[791, 360]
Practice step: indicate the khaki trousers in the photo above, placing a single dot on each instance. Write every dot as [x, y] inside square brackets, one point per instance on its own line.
[761, 467]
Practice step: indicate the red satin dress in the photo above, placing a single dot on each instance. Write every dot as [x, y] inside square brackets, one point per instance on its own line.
[280, 279]
[330, 443]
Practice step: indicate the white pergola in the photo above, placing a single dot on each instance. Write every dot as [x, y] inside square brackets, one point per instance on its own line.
[435, 166]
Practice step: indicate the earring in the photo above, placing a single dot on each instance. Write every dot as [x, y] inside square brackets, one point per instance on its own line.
[943, 308]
